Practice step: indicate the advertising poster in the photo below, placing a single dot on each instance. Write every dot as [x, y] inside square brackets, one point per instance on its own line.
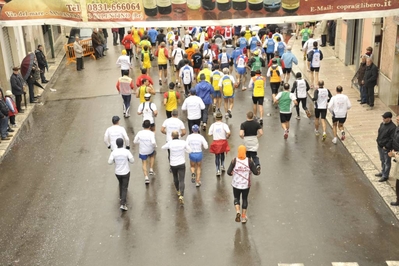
[183, 12]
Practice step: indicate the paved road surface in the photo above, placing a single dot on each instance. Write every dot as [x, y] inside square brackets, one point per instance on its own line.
[59, 199]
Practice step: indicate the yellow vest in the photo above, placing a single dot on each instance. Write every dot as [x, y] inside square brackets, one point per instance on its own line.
[162, 60]
[227, 86]
[171, 101]
[142, 91]
[259, 86]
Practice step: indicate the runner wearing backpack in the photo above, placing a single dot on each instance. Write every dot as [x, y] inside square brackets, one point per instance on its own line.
[149, 110]
[274, 73]
[227, 86]
[177, 56]
[256, 63]
[217, 95]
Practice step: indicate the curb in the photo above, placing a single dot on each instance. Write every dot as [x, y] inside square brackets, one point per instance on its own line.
[385, 190]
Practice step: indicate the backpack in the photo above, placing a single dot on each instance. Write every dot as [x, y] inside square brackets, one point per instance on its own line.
[275, 70]
[149, 106]
[257, 65]
[227, 86]
[215, 79]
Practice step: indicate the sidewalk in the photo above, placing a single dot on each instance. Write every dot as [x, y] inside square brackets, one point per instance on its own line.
[21, 119]
[361, 126]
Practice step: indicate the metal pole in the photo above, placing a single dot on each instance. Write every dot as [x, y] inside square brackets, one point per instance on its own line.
[50, 38]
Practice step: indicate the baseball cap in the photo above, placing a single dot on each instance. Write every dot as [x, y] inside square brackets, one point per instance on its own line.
[115, 119]
[256, 52]
[219, 115]
[195, 128]
[274, 61]
[147, 95]
[387, 115]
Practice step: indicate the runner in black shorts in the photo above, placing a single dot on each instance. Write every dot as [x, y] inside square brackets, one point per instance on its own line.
[165, 66]
[275, 86]
[314, 69]
[285, 117]
[320, 113]
[258, 100]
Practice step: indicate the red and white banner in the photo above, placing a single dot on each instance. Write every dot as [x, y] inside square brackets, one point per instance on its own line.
[116, 13]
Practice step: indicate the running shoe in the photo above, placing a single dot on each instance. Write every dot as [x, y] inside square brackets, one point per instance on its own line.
[181, 200]
[285, 134]
[229, 112]
[324, 136]
[222, 168]
[204, 126]
[123, 207]
[244, 219]
[342, 135]
[226, 115]
[151, 172]
[192, 177]
[298, 117]
[261, 122]
[178, 193]
[244, 88]
[147, 180]
[213, 108]
[316, 132]
[308, 114]
[334, 140]
[218, 173]
[198, 184]
[258, 168]
[160, 82]
[238, 217]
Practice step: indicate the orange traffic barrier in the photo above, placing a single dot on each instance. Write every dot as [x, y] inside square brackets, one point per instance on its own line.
[88, 50]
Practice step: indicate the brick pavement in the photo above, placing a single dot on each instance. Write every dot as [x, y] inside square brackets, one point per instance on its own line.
[361, 126]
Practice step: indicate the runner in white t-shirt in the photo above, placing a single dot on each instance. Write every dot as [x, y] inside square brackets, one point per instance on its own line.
[149, 110]
[146, 140]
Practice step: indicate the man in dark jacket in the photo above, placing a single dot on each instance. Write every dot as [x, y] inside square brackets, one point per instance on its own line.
[384, 142]
[17, 83]
[360, 77]
[370, 80]
[96, 42]
[42, 62]
[4, 118]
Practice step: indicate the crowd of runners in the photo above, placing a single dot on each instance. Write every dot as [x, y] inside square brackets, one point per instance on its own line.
[204, 68]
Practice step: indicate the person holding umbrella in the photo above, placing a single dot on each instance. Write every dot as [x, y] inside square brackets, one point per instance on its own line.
[31, 73]
[17, 87]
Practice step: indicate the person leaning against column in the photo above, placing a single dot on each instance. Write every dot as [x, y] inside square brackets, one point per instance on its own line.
[369, 81]
[394, 153]
[384, 142]
[17, 87]
[78, 53]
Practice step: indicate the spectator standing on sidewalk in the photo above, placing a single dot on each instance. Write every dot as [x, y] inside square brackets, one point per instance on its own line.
[42, 62]
[384, 142]
[12, 109]
[121, 158]
[370, 80]
[115, 32]
[339, 106]
[4, 118]
[360, 80]
[324, 32]
[78, 54]
[17, 87]
[395, 154]
[97, 45]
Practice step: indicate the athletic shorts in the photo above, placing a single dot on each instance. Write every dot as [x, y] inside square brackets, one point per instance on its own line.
[144, 157]
[340, 120]
[258, 100]
[286, 70]
[217, 94]
[241, 70]
[197, 69]
[195, 157]
[164, 66]
[153, 44]
[224, 66]
[285, 117]
[177, 68]
[315, 69]
[320, 112]
[231, 63]
[228, 97]
[275, 86]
